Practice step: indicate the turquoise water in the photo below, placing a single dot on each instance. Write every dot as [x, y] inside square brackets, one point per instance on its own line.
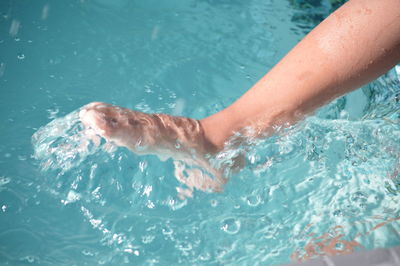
[328, 185]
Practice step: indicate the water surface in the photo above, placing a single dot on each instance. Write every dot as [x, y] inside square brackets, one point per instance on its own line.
[328, 185]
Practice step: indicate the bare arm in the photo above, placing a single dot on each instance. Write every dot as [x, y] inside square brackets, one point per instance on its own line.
[353, 46]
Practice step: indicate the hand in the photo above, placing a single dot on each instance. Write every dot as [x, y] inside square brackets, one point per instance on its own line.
[166, 136]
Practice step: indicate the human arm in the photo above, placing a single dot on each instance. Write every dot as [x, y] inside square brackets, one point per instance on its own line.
[353, 46]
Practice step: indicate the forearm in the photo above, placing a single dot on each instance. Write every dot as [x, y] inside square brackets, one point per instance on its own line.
[353, 46]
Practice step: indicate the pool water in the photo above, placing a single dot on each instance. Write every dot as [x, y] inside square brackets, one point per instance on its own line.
[329, 185]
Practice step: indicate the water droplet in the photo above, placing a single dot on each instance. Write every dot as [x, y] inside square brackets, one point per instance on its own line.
[45, 11]
[2, 69]
[154, 33]
[14, 28]
[230, 226]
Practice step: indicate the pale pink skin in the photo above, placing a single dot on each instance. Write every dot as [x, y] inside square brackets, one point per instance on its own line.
[147, 133]
[166, 136]
[356, 44]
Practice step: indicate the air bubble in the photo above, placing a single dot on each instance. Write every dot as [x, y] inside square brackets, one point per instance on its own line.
[4, 180]
[253, 200]
[230, 226]
[270, 232]
[339, 246]
[21, 56]
[221, 252]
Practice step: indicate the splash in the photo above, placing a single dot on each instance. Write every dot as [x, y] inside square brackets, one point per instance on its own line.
[337, 170]
[65, 143]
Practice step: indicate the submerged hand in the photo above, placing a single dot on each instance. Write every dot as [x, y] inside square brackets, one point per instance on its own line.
[146, 133]
[167, 136]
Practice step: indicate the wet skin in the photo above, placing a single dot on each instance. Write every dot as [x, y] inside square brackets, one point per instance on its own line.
[356, 44]
[167, 136]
